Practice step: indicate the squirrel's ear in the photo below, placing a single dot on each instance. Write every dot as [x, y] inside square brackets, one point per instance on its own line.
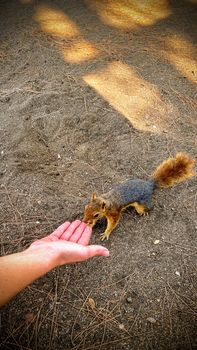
[94, 195]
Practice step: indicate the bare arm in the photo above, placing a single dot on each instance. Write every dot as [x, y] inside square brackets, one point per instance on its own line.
[20, 269]
[66, 245]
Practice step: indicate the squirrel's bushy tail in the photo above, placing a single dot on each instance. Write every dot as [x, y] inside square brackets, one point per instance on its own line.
[174, 170]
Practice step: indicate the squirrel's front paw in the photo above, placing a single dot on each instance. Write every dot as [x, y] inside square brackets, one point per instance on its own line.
[104, 236]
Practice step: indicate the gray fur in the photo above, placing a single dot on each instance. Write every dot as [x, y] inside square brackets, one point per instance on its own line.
[129, 191]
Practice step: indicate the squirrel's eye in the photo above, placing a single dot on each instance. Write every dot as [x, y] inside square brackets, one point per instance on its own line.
[96, 215]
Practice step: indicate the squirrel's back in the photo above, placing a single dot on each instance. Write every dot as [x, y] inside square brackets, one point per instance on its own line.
[131, 190]
[168, 173]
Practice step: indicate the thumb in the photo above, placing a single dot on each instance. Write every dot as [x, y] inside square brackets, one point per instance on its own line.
[95, 250]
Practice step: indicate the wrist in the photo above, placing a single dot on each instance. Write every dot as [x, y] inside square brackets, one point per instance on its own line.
[47, 256]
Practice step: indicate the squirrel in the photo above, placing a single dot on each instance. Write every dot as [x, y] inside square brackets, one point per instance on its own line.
[136, 193]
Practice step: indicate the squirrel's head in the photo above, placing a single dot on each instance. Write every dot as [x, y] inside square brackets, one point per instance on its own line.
[94, 210]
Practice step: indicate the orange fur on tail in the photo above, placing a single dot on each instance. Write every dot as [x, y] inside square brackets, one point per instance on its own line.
[174, 170]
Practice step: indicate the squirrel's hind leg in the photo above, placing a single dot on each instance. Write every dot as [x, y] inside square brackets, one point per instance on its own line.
[141, 209]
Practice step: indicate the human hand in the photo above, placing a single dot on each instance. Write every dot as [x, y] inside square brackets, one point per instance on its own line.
[69, 244]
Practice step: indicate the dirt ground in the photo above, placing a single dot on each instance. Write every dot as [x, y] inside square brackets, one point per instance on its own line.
[93, 93]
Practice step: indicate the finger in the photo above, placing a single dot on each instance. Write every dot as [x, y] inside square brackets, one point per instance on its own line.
[85, 237]
[61, 229]
[70, 230]
[78, 233]
[95, 250]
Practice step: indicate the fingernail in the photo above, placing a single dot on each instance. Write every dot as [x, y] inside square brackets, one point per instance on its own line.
[77, 220]
[106, 253]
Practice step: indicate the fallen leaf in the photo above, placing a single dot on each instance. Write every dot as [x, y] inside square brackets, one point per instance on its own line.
[91, 303]
[29, 317]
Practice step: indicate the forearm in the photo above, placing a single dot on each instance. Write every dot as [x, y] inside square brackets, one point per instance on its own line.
[20, 269]
[66, 245]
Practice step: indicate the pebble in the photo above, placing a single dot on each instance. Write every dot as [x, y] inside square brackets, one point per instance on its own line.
[178, 273]
[156, 241]
[129, 300]
[151, 320]
[121, 326]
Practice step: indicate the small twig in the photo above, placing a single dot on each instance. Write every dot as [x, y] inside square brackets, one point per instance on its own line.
[96, 346]
[179, 298]
[74, 323]
[179, 245]
[85, 104]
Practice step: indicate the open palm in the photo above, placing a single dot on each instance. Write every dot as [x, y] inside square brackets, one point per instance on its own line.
[69, 242]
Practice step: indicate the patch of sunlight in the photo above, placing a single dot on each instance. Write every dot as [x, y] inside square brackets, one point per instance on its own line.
[127, 14]
[79, 51]
[132, 96]
[179, 53]
[55, 22]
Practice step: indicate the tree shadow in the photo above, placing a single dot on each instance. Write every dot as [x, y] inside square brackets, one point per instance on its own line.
[150, 67]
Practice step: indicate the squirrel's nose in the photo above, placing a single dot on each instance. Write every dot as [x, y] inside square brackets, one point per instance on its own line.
[90, 223]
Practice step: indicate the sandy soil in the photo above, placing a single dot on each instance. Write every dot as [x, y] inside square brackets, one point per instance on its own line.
[92, 93]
